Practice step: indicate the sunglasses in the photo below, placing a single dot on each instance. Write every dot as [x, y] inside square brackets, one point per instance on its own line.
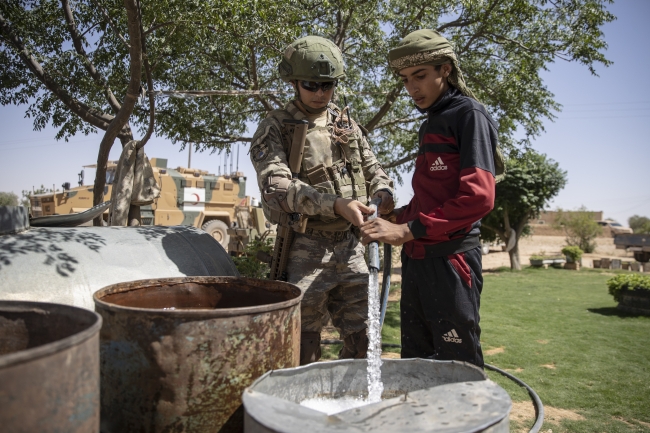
[313, 86]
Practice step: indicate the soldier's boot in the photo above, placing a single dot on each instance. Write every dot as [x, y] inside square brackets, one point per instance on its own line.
[355, 346]
[309, 347]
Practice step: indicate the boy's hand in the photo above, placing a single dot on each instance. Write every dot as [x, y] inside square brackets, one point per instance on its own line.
[384, 231]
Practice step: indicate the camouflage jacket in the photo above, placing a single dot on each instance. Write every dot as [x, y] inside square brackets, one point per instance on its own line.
[330, 168]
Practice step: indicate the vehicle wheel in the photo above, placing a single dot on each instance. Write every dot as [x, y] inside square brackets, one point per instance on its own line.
[642, 256]
[485, 249]
[218, 230]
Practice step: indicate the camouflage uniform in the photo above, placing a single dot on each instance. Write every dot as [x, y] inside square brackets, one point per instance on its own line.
[327, 261]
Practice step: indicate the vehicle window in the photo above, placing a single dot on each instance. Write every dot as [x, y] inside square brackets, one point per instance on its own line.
[616, 225]
[110, 177]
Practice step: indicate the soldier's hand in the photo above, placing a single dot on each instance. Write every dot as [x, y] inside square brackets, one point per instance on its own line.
[384, 231]
[387, 203]
[352, 210]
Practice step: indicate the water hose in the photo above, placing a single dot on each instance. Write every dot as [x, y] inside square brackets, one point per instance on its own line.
[537, 402]
[385, 283]
[373, 265]
[373, 247]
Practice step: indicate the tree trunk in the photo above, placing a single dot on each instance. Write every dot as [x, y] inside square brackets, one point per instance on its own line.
[135, 217]
[122, 116]
[515, 264]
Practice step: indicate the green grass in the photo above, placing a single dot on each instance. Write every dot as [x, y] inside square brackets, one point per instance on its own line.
[566, 319]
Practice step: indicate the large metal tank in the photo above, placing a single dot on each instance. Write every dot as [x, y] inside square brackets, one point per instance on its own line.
[419, 396]
[177, 353]
[67, 265]
[49, 368]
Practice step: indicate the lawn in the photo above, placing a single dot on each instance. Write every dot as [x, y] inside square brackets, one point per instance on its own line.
[559, 332]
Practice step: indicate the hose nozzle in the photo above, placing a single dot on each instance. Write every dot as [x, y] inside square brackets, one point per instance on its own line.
[373, 247]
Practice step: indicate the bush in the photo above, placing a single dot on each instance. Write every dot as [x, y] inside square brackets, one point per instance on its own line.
[572, 252]
[580, 227]
[249, 265]
[8, 199]
[627, 282]
[639, 224]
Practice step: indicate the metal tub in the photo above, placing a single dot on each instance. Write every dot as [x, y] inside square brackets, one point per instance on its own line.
[177, 353]
[49, 368]
[419, 396]
[68, 265]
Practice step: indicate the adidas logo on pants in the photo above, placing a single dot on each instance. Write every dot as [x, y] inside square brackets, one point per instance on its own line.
[451, 337]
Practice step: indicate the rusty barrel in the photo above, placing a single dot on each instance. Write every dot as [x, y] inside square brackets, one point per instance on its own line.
[49, 368]
[176, 353]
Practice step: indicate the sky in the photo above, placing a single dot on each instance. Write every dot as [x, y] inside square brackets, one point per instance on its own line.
[601, 137]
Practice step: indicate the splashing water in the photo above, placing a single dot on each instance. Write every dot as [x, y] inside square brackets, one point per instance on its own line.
[334, 405]
[375, 385]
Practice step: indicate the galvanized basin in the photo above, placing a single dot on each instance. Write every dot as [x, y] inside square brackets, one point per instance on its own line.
[49, 368]
[176, 353]
[419, 396]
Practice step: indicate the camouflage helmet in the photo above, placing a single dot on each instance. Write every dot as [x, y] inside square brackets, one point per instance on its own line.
[312, 58]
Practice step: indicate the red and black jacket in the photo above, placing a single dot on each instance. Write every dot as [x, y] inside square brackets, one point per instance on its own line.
[453, 183]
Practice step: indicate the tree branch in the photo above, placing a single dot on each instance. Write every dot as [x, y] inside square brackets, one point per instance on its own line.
[276, 101]
[265, 103]
[456, 23]
[385, 108]
[147, 69]
[111, 24]
[401, 161]
[499, 233]
[88, 114]
[418, 18]
[342, 27]
[506, 218]
[520, 226]
[230, 139]
[77, 41]
[484, 20]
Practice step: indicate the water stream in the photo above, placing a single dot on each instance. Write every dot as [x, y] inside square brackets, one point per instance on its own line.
[375, 385]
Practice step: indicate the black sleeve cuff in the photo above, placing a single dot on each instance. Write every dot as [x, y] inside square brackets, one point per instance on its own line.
[417, 228]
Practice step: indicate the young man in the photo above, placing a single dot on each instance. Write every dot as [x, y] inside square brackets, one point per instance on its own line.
[453, 187]
[338, 174]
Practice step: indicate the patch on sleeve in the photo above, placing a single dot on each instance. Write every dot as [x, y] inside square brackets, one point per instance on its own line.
[259, 152]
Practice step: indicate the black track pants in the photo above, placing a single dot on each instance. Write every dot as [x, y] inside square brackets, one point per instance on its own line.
[439, 307]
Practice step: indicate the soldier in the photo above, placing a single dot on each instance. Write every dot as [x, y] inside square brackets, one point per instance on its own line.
[338, 173]
[453, 186]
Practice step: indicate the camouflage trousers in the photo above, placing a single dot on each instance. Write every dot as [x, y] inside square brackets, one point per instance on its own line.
[333, 275]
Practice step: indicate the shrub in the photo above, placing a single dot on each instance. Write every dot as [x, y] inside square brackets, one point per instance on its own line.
[627, 282]
[249, 265]
[8, 199]
[580, 227]
[639, 224]
[572, 252]
[543, 256]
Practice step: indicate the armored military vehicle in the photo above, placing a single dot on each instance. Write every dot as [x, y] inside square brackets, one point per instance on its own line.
[190, 197]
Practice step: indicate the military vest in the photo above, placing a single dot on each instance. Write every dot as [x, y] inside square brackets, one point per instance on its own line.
[329, 166]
